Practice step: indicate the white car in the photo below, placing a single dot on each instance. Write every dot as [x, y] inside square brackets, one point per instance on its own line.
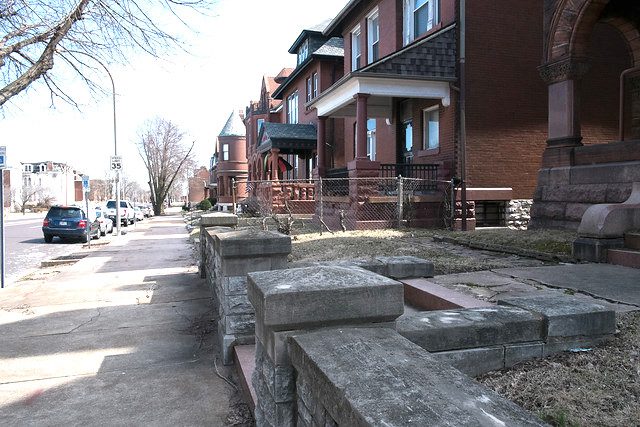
[138, 213]
[127, 215]
[106, 225]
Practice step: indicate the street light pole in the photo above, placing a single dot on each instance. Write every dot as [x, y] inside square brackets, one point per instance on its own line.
[115, 139]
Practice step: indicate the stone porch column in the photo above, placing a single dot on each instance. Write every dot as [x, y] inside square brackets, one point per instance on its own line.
[361, 126]
[274, 163]
[321, 145]
[563, 79]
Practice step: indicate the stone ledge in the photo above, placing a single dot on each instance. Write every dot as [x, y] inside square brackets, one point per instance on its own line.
[219, 219]
[426, 295]
[446, 330]
[376, 377]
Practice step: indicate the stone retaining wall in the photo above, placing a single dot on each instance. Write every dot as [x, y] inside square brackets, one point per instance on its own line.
[519, 213]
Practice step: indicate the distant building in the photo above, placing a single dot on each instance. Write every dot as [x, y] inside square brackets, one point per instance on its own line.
[229, 163]
[198, 190]
[47, 183]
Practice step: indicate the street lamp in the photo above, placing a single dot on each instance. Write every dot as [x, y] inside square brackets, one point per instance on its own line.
[115, 140]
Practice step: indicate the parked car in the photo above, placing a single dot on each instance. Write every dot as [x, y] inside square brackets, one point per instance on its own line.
[138, 213]
[106, 224]
[127, 215]
[69, 222]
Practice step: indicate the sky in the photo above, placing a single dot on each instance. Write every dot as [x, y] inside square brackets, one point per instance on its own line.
[238, 43]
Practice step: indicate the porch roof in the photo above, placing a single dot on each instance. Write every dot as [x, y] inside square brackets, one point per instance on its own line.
[422, 69]
[288, 138]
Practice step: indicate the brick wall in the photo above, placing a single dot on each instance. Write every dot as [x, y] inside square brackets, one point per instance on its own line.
[506, 99]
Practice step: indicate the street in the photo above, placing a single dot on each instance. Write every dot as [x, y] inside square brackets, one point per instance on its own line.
[25, 247]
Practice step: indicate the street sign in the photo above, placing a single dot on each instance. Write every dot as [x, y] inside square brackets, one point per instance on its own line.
[116, 163]
[85, 183]
[3, 157]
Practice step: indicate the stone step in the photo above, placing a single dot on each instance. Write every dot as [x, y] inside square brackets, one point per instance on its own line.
[426, 295]
[245, 362]
[624, 257]
[632, 241]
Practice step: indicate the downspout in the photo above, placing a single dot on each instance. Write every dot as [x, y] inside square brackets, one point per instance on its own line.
[463, 128]
[623, 75]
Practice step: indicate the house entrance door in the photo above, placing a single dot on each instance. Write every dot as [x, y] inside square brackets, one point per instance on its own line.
[405, 149]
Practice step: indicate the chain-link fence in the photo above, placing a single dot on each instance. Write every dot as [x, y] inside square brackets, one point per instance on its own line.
[353, 203]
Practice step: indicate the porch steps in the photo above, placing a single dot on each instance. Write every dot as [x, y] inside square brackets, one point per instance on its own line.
[629, 256]
[427, 296]
[245, 362]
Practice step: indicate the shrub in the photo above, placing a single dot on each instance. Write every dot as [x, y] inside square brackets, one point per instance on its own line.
[204, 205]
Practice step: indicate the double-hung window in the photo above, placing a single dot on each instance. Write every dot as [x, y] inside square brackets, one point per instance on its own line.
[309, 89]
[303, 52]
[356, 48]
[373, 37]
[371, 139]
[292, 108]
[225, 151]
[314, 78]
[419, 16]
[431, 127]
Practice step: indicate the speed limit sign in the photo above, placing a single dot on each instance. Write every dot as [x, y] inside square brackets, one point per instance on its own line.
[116, 163]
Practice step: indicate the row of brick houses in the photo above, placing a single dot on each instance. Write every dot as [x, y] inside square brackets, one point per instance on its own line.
[378, 88]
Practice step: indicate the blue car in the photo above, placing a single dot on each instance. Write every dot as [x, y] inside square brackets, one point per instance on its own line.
[69, 222]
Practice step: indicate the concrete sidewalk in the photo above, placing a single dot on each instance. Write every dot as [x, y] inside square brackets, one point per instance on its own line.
[123, 337]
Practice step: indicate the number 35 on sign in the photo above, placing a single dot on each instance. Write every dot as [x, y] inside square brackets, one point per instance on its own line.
[116, 162]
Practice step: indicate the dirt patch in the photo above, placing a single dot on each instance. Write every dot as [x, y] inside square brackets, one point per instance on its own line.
[596, 387]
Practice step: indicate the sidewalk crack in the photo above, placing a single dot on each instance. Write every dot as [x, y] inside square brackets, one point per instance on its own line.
[93, 319]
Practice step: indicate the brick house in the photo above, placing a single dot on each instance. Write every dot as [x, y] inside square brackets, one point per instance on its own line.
[229, 163]
[198, 185]
[591, 56]
[400, 94]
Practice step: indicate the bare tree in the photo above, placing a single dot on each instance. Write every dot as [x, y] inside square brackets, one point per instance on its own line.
[165, 155]
[27, 194]
[36, 33]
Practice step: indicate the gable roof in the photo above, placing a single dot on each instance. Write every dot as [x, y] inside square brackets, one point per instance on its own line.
[287, 137]
[332, 47]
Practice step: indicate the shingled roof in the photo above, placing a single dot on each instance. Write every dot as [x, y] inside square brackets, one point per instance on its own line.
[287, 137]
[234, 126]
[332, 47]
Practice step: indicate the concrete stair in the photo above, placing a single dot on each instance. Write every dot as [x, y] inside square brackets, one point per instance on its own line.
[629, 256]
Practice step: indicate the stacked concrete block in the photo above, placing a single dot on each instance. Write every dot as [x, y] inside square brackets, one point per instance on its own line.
[236, 253]
[395, 267]
[301, 299]
[478, 340]
[375, 377]
[208, 221]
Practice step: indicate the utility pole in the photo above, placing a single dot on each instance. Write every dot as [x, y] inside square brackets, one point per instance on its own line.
[463, 124]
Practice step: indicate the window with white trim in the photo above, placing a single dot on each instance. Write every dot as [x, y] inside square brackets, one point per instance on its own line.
[225, 151]
[356, 48]
[419, 16]
[314, 77]
[28, 168]
[431, 128]
[292, 108]
[309, 89]
[371, 139]
[373, 37]
[303, 52]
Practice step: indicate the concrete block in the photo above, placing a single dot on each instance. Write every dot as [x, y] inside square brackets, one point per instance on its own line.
[516, 353]
[401, 267]
[373, 376]
[566, 316]
[558, 345]
[241, 266]
[594, 249]
[470, 328]
[372, 265]
[249, 243]
[226, 347]
[219, 219]
[323, 296]
[427, 295]
[239, 324]
[236, 304]
[474, 361]
[234, 285]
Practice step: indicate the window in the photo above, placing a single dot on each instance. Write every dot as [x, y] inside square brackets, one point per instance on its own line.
[259, 124]
[419, 16]
[356, 49]
[309, 89]
[303, 52]
[314, 77]
[292, 108]
[431, 124]
[225, 151]
[373, 37]
[371, 139]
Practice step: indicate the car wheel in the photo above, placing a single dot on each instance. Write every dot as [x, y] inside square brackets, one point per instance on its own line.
[125, 223]
[98, 234]
[48, 238]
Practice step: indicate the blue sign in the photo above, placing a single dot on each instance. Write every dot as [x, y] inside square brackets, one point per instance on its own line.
[85, 183]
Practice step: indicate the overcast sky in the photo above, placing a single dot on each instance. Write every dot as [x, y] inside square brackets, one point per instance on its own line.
[243, 41]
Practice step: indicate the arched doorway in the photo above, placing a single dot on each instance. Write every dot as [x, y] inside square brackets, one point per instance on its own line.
[588, 45]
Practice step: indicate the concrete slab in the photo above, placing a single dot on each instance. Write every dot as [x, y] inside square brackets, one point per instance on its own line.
[612, 282]
[376, 377]
[428, 295]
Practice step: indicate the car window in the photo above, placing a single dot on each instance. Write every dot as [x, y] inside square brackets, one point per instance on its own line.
[65, 213]
[111, 204]
[123, 204]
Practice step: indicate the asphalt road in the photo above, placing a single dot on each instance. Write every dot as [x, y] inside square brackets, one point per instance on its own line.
[25, 247]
